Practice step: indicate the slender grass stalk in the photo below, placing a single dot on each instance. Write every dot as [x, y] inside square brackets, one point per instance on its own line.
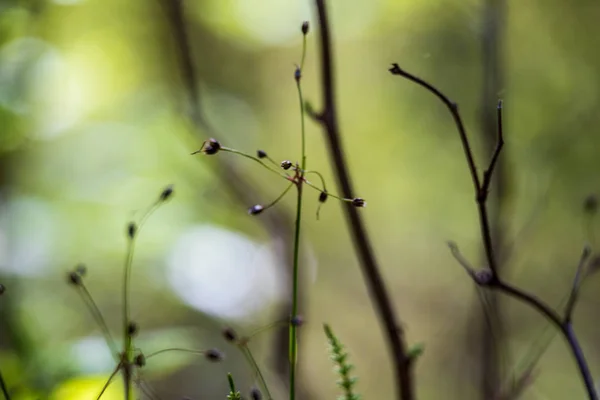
[252, 361]
[4, 388]
[293, 323]
[109, 381]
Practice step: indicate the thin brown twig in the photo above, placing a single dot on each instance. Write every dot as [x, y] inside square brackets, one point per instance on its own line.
[492, 280]
[370, 268]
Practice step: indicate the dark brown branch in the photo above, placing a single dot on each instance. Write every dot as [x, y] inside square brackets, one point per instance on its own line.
[370, 269]
[487, 175]
[489, 278]
[481, 196]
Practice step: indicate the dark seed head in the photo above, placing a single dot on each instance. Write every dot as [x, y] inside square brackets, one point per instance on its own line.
[297, 74]
[297, 320]
[255, 210]
[323, 197]
[261, 154]
[590, 205]
[214, 355]
[132, 328]
[166, 193]
[140, 360]
[74, 278]
[229, 334]
[286, 164]
[305, 27]
[358, 202]
[255, 394]
[131, 229]
[211, 147]
[2, 289]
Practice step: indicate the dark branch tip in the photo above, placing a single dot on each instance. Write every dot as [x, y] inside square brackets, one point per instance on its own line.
[395, 69]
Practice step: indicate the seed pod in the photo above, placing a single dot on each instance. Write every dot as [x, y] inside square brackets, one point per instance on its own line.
[261, 154]
[305, 27]
[358, 202]
[255, 210]
[214, 355]
[286, 164]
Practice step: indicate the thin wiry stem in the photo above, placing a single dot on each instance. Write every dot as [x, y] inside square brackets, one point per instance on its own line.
[293, 327]
[494, 281]
[241, 153]
[180, 349]
[254, 365]
[109, 381]
[574, 294]
[97, 315]
[293, 346]
[4, 388]
[271, 204]
[382, 300]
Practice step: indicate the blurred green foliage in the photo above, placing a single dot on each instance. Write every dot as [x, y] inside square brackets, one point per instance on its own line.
[93, 116]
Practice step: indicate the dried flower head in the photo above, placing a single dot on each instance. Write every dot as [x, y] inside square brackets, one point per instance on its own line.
[230, 335]
[166, 193]
[297, 74]
[131, 230]
[261, 154]
[305, 27]
[132, 328]
[140, 360]
[255, 394]
[74, 278]
[286, 164]
[209, 147]
[323, 196]
[297, 320]
[256, 209]
[358, 202]
[214, 355]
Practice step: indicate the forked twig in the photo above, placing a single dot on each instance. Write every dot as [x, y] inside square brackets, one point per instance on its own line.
[490, 277]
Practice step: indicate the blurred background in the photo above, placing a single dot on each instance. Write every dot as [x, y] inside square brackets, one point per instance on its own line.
[102, 102]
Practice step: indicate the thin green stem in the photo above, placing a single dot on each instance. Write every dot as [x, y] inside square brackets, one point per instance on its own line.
[287, 189]
[293, 345]
[320, 177]
[4, 388]
[126, 284]
[95, 311]
[108, 382]
[241, 153]
[293, 327]
[301, 100]
[266, 328]
[254, 365]
[191, 351]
